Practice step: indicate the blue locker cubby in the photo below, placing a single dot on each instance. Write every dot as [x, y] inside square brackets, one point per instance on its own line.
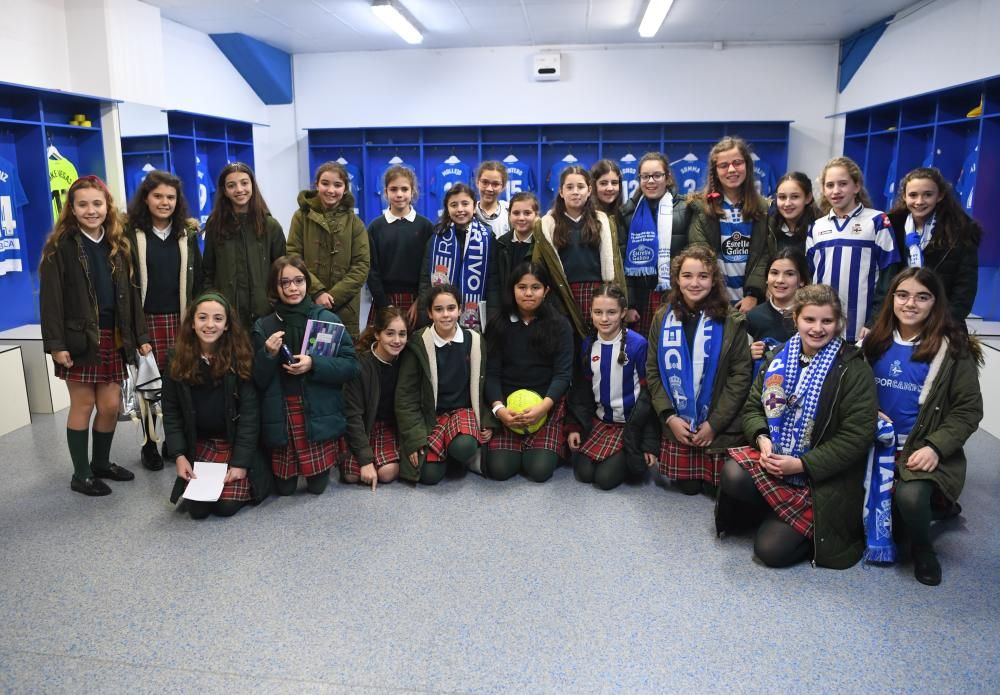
[31, 122]
[536, 148]
[216, 141]
[951, 129]
[141, 152]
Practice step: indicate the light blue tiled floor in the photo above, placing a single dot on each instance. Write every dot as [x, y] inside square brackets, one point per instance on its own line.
[473, 586]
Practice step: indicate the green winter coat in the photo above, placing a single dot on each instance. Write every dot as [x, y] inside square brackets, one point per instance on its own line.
[951, 406]
[242, 427]
[240, 265]
[321, 386]
[335, 250]
[416, 395]
[705, 229]
[729, 391]
[545, 252]
[835, 463]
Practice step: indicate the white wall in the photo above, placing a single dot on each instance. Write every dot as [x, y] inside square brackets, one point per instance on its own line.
[956, 41]
[277, 162]
[599, 85]
[33, 36]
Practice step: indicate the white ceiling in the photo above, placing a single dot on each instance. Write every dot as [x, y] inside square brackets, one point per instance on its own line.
[314, 26]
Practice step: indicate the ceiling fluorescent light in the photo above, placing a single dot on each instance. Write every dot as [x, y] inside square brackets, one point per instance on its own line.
[652, 18]
[393, 17]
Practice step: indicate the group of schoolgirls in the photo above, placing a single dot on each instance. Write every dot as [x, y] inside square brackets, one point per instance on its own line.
[504, 302]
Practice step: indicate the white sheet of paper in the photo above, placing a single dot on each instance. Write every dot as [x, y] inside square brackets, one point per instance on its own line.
[208, 485]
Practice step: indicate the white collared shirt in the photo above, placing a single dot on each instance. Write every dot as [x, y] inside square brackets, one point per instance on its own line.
[163, 233]
[440, 342]
[390, 218]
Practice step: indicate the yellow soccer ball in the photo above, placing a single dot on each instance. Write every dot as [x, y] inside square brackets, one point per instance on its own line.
[520, 400]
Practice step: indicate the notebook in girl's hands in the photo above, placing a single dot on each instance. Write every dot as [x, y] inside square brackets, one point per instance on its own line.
[322, 338]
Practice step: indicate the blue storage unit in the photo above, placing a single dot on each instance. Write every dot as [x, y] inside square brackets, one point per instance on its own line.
[936, 129]
[539, 147]
[31, 122]
[140, 152]
[221, 141]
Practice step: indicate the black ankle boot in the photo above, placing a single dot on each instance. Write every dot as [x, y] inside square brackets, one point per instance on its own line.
[926, 567]
[151, 459]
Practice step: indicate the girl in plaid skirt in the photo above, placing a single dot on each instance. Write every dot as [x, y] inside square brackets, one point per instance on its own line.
[578, 245]
[168, 269]
[610, 431]
[371, 441]
[92, 323]
[530, 348]
[811, 416]
[439, 397]
[210, 407]
[698, 371]
[302, 411]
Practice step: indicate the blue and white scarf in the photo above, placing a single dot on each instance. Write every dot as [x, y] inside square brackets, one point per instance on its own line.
[791, 398]
[648, 249]
[877, 510]
[689, 379]
[769, 344]
[466, 270]
[917, 242]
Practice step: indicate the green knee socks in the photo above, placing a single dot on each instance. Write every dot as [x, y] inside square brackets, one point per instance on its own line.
[78, 441]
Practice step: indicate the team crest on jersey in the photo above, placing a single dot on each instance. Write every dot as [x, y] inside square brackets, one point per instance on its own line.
[895, 368]
[595, 358]
[677, 393]
[470, 315]
[856, 228]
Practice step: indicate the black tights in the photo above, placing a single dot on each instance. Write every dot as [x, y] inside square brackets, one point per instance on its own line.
[315, 484]
[776, 543]
[606, 475]
[202, 510]
[462, 449]
[538, 465]
[912, 499]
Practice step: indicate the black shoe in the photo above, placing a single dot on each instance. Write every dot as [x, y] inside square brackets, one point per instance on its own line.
[114, 472]
[91, 487]
[151, 459]
[926, 567]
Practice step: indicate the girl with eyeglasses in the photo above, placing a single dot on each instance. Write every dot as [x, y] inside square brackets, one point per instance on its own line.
[242, 240]
[927, 381]
[301, 399]
[491, 209]
[655, 229]
[731, 217]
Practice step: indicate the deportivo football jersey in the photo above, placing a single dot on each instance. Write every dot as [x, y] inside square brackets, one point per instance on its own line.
[965, 188]
[446, 175]
[353, 182]
[763, 175]
[630, 176]
[520, 177]
[206, 188]
[616, 387]
[848, 254]
[62, 174]
[689, 173]
[12, 199]
[557, 170]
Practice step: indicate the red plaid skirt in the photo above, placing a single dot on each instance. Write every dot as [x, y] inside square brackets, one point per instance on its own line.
[213, 450]
[300, 456]
[606, 439]
[682, 462]
[401, 300]
[450, 425]
[549, 437]
[646, 314]
[583, 295]
[162, 330]
[109, 368]
[385, 449]
[792, 504]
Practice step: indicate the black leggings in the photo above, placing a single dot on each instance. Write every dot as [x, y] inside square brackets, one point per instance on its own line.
[538, 465]
[606, 475]
[912, 499]
[315, 484]
[202, 510]
[462, 450]
[776, 544]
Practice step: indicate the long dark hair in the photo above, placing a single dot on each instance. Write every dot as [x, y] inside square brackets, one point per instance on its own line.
[602, 167]
[716, 304]
[233, 353]
[710, 197]
[952, 226]
[939, 324]
[591, 232]
[811, 211]
[545, 340]
[798, 259]
[222, 222]
[612, 291]
[139, 216]
[445, 221]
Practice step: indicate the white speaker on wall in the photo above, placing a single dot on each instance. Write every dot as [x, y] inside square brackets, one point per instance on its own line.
[547, 67]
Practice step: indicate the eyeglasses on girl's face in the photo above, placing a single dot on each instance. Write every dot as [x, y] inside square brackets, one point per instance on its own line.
[285, 283]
